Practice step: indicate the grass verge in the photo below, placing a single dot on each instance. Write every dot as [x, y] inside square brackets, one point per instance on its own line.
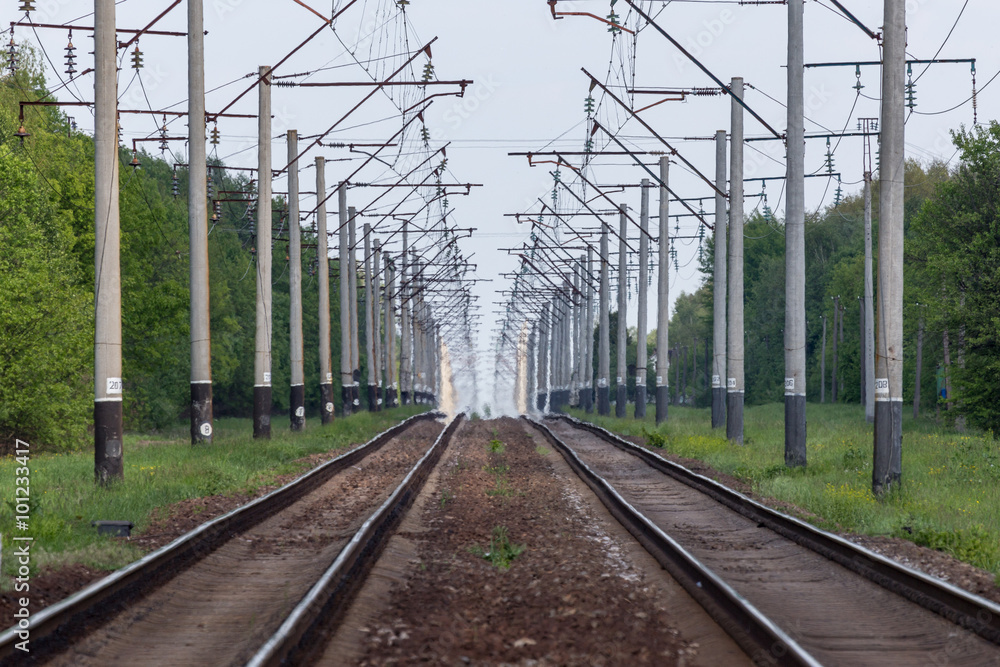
[159, 471]
[949, 500]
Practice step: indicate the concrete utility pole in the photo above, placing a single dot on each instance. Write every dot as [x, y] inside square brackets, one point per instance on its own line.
[861, 340]
[577, 359]
[795, 248]
[555, 356]
[377, 322]
[567, 350]
[920, 366]
[621, 400]
[416, 326]
[868, 343]
[346, 355]
[589, 334]
[531, 388]
[296, 346]
[543, 359]
[201, 338]
[887, 471]
[323, 276]
[735, 388]
[663, 299]
[369, 323]
[584, 330]
[836, 356]
[109, 463]
[405, 326]
[640, 357]
[262, 356]
[390, 332]
[719, 286]
[352, 237]
[822, 367]
[604, 336]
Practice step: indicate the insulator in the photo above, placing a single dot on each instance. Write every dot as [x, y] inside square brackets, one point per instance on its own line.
[210, 187]
[135, 160]
[428, 72]
[588, 146]
[588, 105]
[425, 134]
[70, 56]
[137, 58]
[857, 73]
[163, 135]
[911, 89]
[175, 186]
[615, 26]
[12, 58]
[27, 5]
[215, 135]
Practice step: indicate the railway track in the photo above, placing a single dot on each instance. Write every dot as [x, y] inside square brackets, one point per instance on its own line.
[787, 592]
[252, 586]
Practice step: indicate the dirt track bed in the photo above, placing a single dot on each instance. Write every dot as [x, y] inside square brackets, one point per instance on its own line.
[170, 523]
[572, 597]
[222, 608]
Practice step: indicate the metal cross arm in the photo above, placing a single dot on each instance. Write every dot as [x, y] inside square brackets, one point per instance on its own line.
[558, 15]
[656, 178]
[610, 201]
[367, 97]
[464, 83]
[697, 62]
[291, 53]
[150, 25]
[854, 19]
[587, 206]
[673, 151]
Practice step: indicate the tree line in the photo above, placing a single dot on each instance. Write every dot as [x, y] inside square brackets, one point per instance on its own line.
[47, 281]
[952, 296]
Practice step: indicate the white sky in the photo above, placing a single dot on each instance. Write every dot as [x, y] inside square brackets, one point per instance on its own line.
[529, 91]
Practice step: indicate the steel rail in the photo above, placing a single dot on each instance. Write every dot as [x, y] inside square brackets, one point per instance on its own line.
[328, 599]
[965, 609]
[754, 632]
[54, 626]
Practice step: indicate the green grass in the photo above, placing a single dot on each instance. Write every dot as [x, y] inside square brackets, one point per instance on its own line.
[501, 551]
[159, 470]
[950, 496]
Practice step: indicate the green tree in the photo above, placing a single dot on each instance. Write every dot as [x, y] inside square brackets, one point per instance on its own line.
[955, 245]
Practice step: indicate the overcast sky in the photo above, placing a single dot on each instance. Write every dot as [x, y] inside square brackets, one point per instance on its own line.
[529, 93]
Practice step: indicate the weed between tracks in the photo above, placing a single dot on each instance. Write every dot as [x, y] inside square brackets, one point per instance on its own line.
[950, 498]
[501, 551]
[158, 473]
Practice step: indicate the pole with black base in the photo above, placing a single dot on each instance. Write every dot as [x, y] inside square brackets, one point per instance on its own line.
[887, 471]
[109, 463]
[663, 299]
[719, 285]
[323, 277]
[297, 407]
[604, 336]
[734, 363]
[621, 348]
[262, 355]
[640, 361]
